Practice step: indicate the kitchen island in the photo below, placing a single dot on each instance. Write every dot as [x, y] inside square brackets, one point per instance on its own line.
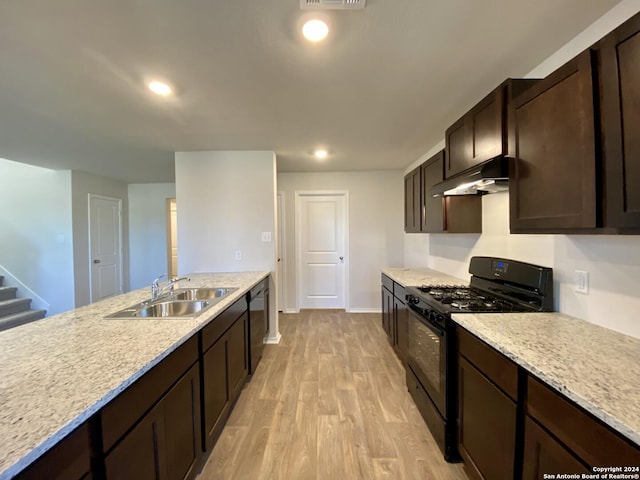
[58, 372]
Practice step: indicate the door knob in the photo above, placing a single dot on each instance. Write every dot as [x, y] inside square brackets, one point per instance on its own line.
[341, 258]
[96, 261]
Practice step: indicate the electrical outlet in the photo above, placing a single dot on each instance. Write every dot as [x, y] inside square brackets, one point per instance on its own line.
[238, 255]
[582, 281]
[266, 237]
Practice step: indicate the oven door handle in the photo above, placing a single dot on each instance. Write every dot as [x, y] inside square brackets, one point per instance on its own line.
[431, 326]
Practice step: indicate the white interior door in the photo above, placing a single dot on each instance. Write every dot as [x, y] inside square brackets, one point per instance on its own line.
[282, 284]
[322, 246]
[104, 247]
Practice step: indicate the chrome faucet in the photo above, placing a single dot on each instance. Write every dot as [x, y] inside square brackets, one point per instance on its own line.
[157, 291]
[155, 287]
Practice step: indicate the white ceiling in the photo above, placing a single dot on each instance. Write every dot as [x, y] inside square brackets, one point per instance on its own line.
[378, 93]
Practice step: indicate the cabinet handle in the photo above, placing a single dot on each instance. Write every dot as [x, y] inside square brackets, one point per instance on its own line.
[96, 261]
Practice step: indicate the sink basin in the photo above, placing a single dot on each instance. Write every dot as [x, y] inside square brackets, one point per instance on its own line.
[183, 303]
[172, 309]
[201, 293]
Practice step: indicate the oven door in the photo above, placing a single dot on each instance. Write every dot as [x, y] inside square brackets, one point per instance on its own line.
[426, 355]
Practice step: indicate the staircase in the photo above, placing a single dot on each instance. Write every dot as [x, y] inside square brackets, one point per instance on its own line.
[15, 311]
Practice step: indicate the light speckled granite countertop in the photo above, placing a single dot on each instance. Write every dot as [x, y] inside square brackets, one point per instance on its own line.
[415, 277]
[597, 368]
[57, 372]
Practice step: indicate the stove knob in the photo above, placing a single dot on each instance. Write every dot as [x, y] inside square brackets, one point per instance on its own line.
[413, 300]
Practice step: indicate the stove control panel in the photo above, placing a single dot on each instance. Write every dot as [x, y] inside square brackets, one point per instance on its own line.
[499, 267]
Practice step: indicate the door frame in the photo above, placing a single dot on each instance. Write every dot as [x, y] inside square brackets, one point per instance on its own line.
[319, 193]
[167, 206]
[90, 197]
[281, 285]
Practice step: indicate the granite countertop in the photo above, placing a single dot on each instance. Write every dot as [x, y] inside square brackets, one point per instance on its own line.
[57, 372]
[597, 368]
[408, 277]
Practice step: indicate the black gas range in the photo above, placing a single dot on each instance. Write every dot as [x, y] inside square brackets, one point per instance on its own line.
[497, 285]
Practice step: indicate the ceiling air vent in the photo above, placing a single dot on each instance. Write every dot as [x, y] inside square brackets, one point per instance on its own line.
[332, 4]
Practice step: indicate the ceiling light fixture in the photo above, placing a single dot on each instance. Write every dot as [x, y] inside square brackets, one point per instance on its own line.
[160, 88]
[315, 30]
[320, 153]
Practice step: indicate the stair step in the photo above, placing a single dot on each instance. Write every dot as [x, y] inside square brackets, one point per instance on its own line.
[21, 318]
[7, 293]
[14, 305]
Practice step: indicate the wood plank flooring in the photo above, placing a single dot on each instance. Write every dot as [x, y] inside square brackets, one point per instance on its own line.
[329, 402]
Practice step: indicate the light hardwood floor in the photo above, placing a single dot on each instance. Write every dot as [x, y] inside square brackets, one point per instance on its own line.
[329, 402]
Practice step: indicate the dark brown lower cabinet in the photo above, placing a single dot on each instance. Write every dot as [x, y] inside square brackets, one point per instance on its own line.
[68, 460]
[141, 453]
[165, 444]
[401, 315]
[225, 370]
[544, 454]
[387, 313]
[486, 426]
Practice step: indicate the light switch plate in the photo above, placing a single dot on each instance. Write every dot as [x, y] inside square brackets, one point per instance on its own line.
[582, 281]
[238, 255]
[266, 236]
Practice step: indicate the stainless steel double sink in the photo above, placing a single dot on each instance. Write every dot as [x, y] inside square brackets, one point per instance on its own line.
[181, 303]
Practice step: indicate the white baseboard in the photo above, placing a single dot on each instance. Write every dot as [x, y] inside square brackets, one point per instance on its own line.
[291, 310]
[273, 340]
[365, 310]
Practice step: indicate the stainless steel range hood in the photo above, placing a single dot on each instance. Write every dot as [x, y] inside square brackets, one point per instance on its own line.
[489, 177]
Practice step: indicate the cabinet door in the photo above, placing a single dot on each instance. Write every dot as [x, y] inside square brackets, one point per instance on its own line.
[457, 148]
[543, 454]
[412, 201]
[237, 356]
[182, 426]
[387, 313]
[401, 314]
[486, 128]
[486, 425]
[432, 207]
[619, 79]
[140, 455]
[553, 174]
[214, 371]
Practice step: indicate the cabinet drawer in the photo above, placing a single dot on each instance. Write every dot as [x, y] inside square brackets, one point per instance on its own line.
[589, 438]
[399, 292]
[216, 328]
[126, 409]
[387, 283]
[498, 368]
[68, 460]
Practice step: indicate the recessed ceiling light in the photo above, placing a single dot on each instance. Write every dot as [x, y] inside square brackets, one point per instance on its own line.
[320, 153]
[315, 30]
[159, 88]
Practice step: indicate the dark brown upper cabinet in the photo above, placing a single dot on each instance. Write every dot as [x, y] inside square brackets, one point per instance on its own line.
[619, 76]
[453, 214]
[572, 138]
[552, 182]
[481, 134]
[412, 201]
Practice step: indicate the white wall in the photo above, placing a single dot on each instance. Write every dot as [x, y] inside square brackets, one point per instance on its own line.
[612, 261]
[82, 184]
[35, 231]
[148, 231]
[375, 230]
[225, 200]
